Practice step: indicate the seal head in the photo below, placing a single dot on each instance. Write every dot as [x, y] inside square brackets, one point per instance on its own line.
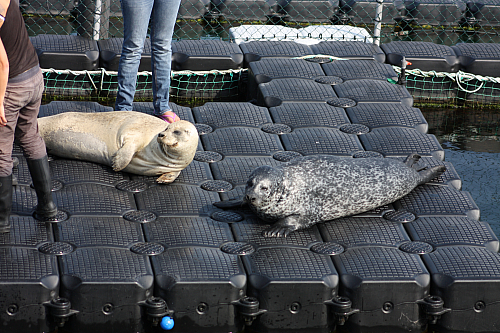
[263, 190]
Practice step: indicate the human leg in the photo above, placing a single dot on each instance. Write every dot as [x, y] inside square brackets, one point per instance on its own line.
[34, 147]
[12, 104]
[6, 143]
[29, 93]
[136, 15]
[5, 202]
[163, 20]
[7, 140]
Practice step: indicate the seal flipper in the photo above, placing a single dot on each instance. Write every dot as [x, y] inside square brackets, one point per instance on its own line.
[277, 231]
[123, 156]
[412, 160]
[431, 173]
[286, 225]
[168, 177]
[230, 203]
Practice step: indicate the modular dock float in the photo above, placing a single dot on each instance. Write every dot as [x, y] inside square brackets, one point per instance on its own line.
[126, 254]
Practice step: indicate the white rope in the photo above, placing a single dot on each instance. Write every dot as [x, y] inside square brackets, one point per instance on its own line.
[459, 77]
[214, 71]
[102, 71]
[319, 56]
[462, 88]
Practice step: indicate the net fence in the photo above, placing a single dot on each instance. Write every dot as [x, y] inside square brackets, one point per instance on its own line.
[194, 88]
[446, 22]
[187, 87]
[438, 21]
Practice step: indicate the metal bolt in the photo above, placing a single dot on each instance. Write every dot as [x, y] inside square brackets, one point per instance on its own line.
[107, 309]
[387, 307]
[295, 307]
[12, 309]
[202, 308]
[479, 306]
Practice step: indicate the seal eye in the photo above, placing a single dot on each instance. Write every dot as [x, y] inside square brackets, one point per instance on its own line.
[264, 188]
[177, 132]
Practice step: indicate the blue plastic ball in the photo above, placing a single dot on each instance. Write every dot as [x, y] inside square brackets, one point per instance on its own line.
[167, 323]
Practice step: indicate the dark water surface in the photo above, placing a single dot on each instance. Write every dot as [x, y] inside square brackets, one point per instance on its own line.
[471, 139]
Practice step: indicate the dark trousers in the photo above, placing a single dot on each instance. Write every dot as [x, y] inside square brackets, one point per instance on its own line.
[21, 104]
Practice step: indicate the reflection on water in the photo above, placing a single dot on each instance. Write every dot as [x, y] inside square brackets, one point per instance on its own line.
[471, 139]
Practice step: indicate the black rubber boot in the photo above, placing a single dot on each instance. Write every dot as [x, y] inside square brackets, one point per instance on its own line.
[15, 182]
[40, 174]
[5, 203]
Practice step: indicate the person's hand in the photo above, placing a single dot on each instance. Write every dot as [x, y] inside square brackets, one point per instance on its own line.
[3, 120]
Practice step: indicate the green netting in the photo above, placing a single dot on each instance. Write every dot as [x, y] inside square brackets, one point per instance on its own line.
[191, 88]
[187, 87]
[452, 88]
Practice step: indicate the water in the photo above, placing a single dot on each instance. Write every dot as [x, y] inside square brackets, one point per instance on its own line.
[471, 139]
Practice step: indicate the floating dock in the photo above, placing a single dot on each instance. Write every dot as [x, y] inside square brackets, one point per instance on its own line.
[126, 254]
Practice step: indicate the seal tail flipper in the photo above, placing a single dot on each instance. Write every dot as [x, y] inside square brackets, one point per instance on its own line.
[412, 160]
[168, 177]
[230, 203]
[431, 173]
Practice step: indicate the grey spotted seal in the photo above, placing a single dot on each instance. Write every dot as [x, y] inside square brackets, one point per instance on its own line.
[318, 188]
[128, 141]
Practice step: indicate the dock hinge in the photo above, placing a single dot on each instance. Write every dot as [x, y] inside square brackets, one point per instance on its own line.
[342, 308]
[433, 307]
[59, 310]
[156, 309]
[248, 307]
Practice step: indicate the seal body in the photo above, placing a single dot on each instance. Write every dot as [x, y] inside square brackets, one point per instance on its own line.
[312, 189]
[125, 140]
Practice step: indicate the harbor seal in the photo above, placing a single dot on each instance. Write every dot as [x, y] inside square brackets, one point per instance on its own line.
[128, 141]
[318, 188]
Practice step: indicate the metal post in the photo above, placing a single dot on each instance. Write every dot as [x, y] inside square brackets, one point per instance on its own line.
[97, 19]
[93, 18]
[378, 21]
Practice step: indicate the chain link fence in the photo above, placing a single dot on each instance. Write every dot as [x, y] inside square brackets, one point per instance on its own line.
[446, 22]
[438, 21]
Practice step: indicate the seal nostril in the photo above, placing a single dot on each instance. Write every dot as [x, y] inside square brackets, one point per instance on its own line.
[161, 135]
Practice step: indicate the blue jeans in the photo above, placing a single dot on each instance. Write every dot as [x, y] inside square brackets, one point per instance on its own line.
[136, 16]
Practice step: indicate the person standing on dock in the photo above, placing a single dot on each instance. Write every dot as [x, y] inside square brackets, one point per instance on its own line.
[21, 88]
[136, 17]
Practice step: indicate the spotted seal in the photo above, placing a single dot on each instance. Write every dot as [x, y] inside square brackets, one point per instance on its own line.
[128, 141]
[312, 189]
